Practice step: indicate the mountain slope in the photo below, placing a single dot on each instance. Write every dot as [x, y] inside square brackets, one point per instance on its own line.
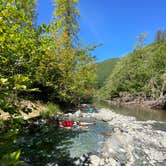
[104, 69]
[142, 72]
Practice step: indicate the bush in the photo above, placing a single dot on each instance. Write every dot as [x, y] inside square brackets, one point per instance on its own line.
[11, 159]
[52, 110]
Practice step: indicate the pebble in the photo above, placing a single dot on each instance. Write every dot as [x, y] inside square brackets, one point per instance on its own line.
[163, 143]
[94, 160]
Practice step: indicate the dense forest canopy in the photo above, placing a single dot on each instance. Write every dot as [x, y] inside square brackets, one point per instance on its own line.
[141, 73]
[42, 62]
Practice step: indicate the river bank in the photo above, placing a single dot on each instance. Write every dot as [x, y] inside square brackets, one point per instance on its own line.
[131, 143]
[27, 109]
[151, 103]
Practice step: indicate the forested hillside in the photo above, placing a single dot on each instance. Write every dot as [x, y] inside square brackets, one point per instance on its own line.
[104, 69]
[141, 73]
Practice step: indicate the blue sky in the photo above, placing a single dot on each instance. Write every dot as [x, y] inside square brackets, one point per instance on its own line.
[114, 23]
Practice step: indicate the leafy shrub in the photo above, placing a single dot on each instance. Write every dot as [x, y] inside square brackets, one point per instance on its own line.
[52, 109]
[11, 159]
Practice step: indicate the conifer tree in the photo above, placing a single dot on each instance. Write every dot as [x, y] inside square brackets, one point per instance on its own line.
[160, 36]
[71, 66]
[66, 15]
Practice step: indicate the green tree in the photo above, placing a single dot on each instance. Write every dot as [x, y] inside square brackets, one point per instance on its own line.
[66, 68]
[17, 49]
[66, 15]
[160, 36]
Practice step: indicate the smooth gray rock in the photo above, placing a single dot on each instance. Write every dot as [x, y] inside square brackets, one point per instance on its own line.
[77, 114]
[94, 160]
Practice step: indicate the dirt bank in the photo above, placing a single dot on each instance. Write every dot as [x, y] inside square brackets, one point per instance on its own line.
[35, 107]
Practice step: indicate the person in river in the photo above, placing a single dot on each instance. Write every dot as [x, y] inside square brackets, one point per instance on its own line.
[69, 124]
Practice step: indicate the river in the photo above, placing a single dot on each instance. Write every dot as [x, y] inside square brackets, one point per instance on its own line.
[141, 113]
[46, 145]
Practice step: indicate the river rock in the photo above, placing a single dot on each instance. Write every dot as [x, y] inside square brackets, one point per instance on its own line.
[160, 103]
[82, 161]
[103, 115]
[84, 105]
[163, 143]
[69, 114]
[130, 143]
[102, 163]
[94, 160]
[111, 162]
[77, 114]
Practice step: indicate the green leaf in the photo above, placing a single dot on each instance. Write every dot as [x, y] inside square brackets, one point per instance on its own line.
[3, 80]
[20, 87]
[11, 159]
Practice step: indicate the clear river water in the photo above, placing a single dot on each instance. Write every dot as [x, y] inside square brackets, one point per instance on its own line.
[47, 145]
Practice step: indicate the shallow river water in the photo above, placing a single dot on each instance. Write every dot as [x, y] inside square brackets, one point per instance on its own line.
[46, 145]
[142, 114]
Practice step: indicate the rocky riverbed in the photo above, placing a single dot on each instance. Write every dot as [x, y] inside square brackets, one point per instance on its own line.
[131, 143]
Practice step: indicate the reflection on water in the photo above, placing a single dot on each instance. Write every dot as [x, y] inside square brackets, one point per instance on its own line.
[140, 113]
